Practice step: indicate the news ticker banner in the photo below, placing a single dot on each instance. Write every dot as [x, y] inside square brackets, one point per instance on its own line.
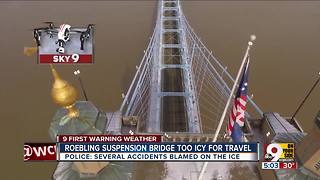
[136, 148]
[152, 148]
[157, 152]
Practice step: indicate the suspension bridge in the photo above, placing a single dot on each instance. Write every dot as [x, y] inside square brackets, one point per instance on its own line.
[180, 90]
[183, 92]
[179, 86]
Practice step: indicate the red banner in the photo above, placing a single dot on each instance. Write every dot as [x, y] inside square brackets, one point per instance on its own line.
[288, 165]
[40, 152]
[65, 58]
[109, 138]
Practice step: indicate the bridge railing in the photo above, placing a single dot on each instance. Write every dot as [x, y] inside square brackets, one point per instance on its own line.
[136, 100]
[211, 81]
[221, 71]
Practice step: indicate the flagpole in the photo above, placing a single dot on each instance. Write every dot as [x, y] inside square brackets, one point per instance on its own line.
[250, 43]
[77, 73]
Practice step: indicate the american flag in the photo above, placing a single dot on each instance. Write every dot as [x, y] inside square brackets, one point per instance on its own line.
[237, 114]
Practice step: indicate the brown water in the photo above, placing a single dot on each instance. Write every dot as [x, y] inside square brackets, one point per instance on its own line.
[285, 60]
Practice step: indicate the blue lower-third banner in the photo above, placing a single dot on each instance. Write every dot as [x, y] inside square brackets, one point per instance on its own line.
[158, 151]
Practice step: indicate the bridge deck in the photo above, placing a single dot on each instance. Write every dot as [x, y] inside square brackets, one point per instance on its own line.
[172, 80]
[174, 117]
[173, 113]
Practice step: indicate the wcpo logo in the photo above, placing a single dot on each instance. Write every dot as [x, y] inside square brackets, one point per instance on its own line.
[39, 151]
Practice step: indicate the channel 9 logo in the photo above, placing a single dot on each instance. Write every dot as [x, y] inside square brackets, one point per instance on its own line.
[39, 151]
[276, 152]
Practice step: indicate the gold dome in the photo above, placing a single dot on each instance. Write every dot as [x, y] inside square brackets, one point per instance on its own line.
[63, 93]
